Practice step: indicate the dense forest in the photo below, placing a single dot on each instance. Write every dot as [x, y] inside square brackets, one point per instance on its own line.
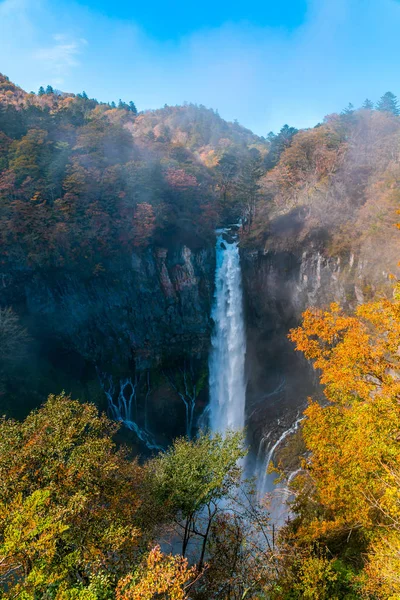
[84, 187]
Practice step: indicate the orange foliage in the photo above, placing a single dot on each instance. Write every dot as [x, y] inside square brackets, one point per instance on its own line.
[178, 178]
[160, 575]
[354, 440]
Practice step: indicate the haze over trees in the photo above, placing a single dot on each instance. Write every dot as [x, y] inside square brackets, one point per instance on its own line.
[86, 185]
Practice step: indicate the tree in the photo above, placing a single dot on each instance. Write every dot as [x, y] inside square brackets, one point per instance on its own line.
[368, 104]
[188, 481]
[29, 156]
[227, 170]
[352, 478]
[123, 105]
[248, 187]
[347, 117]
[41, 91]
[49, 90]
[389, 103]
[68, 501]
[132, 107]
[278, 144]
[349, 110]
[143, 225]
[159, 576]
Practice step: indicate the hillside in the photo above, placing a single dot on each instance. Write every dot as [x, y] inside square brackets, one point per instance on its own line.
[336, 188]
[109, 277]
[84, 172]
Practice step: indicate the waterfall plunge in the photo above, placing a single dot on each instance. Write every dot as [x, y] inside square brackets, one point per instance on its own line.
[227, 379]
[226, 363]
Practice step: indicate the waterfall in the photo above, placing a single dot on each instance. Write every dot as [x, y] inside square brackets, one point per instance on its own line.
[264, 479]
[228, 342]
[279, 494]
[122, 407]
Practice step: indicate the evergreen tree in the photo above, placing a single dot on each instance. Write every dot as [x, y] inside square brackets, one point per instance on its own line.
[41, 91]
[49, 90]
[123, 105]
[389, 103]
[368, 104]
[279, 143]
[349, 110]
[113, 105]
[132, 107]
[84, 96]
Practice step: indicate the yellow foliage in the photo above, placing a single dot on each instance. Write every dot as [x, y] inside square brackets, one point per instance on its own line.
[160, 576]
[353, 441]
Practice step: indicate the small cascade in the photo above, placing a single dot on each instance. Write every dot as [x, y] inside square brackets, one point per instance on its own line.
[278, 494]
[122, 406]
[228, 343]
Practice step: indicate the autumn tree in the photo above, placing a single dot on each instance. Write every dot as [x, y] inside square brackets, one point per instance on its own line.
[227, 169]
[159, 576]
[143, 224]
[68, 501]
[29, 155]
[353, 468]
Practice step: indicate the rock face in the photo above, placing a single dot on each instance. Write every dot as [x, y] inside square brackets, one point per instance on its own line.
[147, 319]
[278, 287]
[161, 300]
[145, 323]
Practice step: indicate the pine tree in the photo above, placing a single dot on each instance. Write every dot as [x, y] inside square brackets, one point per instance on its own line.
[41, 91]
[84, 95]
[132, 107]
[113, 105]
[368, 104]
[279, 143]
[349, 110]
[49, 90]
[123, 105]
[389, 103]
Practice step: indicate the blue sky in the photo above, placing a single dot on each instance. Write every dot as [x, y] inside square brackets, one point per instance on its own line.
[264, 63]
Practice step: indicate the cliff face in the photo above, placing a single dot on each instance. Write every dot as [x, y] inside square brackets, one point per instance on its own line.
[147, 321]
[158, 302]
[278, 287]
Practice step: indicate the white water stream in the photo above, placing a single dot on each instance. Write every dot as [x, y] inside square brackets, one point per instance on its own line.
[228, 351]
[227, 382]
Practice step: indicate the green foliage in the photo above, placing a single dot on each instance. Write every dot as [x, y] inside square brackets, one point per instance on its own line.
[278, 144]
[191, 474]
[68, 502]
[368, 104]
[389, 103]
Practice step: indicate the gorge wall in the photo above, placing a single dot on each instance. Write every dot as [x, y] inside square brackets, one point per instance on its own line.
[278, 287]
[147, 320]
